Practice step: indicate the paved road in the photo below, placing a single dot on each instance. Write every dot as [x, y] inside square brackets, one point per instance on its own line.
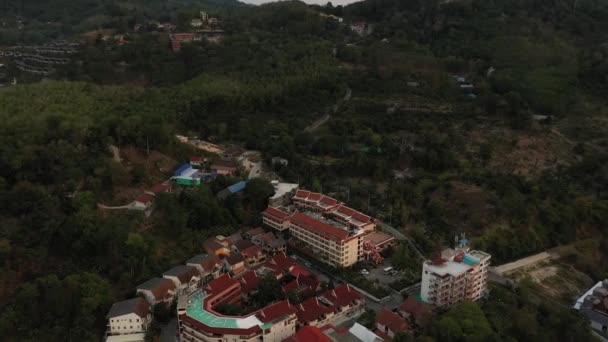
[318, 123]
[167, 334]
[321, 121]
[394, 301]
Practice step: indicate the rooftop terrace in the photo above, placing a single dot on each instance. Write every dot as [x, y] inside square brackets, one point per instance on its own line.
[196, 310]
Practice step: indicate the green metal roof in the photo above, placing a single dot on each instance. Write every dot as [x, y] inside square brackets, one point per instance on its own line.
[196, 310]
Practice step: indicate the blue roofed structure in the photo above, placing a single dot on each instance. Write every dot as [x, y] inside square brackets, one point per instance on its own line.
[233, 189]
[182, 169]
[237, 187]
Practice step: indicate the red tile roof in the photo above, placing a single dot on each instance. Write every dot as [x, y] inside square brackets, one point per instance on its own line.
[196, 159]
[323, 229]
[416, 308]
[275, 311]
[302, 194]
[308, 334]
[221, 283]
[250, 281]
[292, 285]
[144, 198]
[282, 261]
[251, 251]
[328, 200]
[310, 310]
[361, 217]
[346, 210]
[378, 238]
[224, 164]
[438, 261]
[342, 295]
[161, 187]
[299, 270]
[276, 213]
[314, 196]
[311, 281]
[394, 322]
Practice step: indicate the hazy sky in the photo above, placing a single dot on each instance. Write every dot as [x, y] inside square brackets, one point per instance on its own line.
[321, 2]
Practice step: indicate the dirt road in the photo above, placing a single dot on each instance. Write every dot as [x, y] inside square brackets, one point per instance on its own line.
[524, 262]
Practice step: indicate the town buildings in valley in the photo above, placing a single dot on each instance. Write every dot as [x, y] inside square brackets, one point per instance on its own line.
[199, 320]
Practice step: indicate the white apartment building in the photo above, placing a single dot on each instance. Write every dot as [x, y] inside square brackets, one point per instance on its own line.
[128, 320]
[459, 274]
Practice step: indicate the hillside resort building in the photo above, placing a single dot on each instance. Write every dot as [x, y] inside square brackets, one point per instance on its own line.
[458, 274]
[322, 227]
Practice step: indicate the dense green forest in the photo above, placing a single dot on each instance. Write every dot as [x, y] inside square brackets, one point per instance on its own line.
[405, 145]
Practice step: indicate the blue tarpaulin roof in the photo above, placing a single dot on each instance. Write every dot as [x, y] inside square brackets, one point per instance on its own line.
[237, 187]
[182, 169]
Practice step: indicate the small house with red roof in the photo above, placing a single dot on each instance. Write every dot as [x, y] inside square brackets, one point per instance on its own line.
[276, 218]
[415, 310]
[250, 281]
[302, 286]
[308, 334]
[197, 160]
[281, 264]
[224, 167]
[389, 323]
[223, 290]
[158, 188]
[333, 305]
[143, 202]
[314, 312]
[254, 255]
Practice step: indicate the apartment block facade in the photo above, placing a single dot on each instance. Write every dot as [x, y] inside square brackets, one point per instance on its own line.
[333, 245]
[458, 275]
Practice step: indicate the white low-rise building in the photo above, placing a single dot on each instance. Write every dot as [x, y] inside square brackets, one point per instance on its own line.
[128, 320]
[186, 279]
[458, 275]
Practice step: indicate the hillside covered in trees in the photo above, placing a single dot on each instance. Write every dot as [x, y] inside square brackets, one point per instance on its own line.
[521, 166]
